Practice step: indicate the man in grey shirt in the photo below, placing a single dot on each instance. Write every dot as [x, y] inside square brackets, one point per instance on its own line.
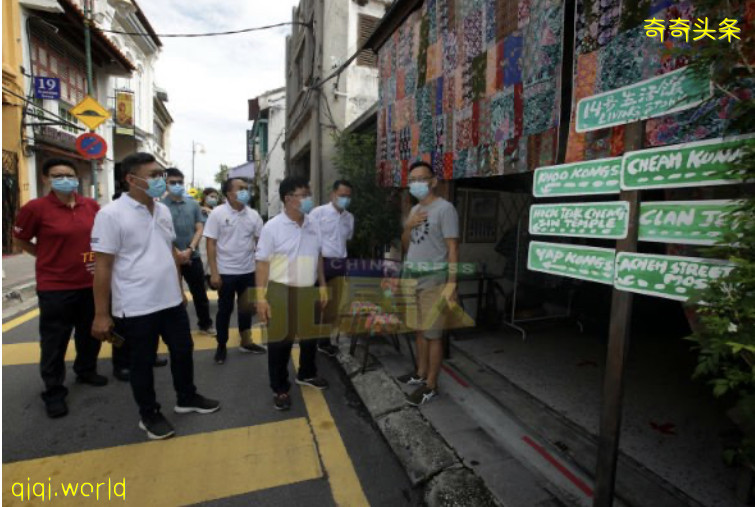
[431, 239]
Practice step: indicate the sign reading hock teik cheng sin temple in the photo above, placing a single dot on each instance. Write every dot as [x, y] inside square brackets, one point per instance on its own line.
[586, 220]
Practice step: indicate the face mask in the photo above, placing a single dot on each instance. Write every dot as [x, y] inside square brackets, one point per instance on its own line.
[243, 196]
[176, 189]
[343, 202]
[156, 186]
[65, 185]
[419, 189]
[211, 202]
[307, 204]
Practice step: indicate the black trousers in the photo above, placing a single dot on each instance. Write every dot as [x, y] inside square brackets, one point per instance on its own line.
[60, 313]
[193, 273]
[142, 334]
[234, 286]
[293, 312]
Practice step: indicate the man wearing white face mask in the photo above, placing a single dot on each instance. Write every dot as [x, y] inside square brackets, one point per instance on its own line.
[232, 230]
[336, 228]
[62, 223]
[188, 223]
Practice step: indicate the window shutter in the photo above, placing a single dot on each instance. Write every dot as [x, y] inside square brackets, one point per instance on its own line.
[367, 25]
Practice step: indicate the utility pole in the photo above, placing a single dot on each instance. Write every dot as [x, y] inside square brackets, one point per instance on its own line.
[90, 80]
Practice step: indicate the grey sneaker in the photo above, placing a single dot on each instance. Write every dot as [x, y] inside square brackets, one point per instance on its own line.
[156, 426]
[411, 379]
[421, 395]
[316, 382]
[209, 331]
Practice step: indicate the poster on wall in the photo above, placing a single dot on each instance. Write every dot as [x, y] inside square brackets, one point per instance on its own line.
[124, 113]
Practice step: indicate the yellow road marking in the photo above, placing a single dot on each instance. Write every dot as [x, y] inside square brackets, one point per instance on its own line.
[28, 352]
[343, 479]
[7, 326]
[180, 471]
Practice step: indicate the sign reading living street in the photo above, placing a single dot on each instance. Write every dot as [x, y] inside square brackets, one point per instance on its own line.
[580, 178]
[573, 261]
[587, 220]
[671, 92]
[666, 276]
[696, 164]
[685, 222]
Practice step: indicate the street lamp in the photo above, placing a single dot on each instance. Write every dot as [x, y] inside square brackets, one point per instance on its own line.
[195, 146]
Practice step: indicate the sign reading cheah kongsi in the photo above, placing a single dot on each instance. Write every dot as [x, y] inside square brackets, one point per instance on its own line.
[701, 163]
[586, 220]
[573, 261]
[685, 222]
[666, 276]
[601, 176]
[668, 93]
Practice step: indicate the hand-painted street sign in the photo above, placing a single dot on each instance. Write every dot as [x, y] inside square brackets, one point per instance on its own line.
[671, 92]
[91, 146]
[684, 222]
[573, 261]
[581, 178]
[695, 164]
[90, 112]
[666, 276]
[47, 87]
[586, 220]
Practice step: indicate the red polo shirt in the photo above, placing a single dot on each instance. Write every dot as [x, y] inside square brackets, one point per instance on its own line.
[64, 257]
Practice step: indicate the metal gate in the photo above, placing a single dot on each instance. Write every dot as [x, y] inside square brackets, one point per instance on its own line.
[10, 198]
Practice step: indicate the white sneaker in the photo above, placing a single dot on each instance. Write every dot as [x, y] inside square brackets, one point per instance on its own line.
[210, 331]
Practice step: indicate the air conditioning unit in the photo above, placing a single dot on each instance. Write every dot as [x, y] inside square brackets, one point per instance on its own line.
[42, 5]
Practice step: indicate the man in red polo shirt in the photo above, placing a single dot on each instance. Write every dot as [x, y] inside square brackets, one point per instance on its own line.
[62, 224]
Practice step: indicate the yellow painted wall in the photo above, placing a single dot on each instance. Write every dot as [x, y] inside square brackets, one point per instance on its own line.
[13, 80]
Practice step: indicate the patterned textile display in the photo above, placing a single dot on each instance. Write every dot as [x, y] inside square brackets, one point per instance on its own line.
[471, 86]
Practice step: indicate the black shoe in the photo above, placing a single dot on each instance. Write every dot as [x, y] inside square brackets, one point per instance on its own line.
[198, 404]
[156, 426]
[282, 401]
[220, 354]
[56, 408]
[122, 374]
[92, 379]
[160, 362]
[316, 382]
[252, 348]
[328, 350]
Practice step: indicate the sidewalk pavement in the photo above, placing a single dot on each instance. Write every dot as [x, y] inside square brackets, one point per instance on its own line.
[19, 283]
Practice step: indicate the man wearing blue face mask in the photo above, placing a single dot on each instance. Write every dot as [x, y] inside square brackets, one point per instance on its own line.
[336, 228]
[61, 222]
[232, 230]
[188, 223]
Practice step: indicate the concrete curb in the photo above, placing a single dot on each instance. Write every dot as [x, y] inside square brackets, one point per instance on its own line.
[18, 297]
[426, 457]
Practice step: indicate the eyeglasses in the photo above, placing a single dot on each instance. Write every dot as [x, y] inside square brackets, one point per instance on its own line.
[420, 180]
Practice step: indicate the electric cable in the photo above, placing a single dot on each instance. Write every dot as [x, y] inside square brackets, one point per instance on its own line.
[209, 34]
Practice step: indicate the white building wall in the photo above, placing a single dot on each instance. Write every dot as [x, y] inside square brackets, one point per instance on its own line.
[274, 165]
[361, 82]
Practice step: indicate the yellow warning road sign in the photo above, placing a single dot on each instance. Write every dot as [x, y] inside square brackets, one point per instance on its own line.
[90, 112]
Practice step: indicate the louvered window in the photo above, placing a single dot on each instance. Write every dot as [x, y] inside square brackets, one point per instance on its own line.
[366, 25]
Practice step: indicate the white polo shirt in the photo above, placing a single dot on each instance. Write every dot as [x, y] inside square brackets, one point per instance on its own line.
[292, 251]
[336, 228]
[236, 233]
[145, 279]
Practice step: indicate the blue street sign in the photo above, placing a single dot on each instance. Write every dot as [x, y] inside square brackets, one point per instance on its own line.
[47, 87]
[91, 146]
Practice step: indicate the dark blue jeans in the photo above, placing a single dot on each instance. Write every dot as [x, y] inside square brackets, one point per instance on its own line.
[193, 273]
[142, 334]
[234, 286]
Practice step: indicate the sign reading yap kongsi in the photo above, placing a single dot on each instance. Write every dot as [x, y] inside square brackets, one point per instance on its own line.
[573, 261]
[684, 222]
[667, 276]
[587, 220]
[580, 178]
[668, 93]
[696, 164]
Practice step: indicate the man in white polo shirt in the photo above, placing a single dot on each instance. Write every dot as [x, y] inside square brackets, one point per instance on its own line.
[336, 228]
[232, 230]
[135, 262]
[289, 261]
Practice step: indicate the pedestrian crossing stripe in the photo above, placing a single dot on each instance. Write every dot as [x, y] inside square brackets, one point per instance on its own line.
[28, 352]
[180, 471]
